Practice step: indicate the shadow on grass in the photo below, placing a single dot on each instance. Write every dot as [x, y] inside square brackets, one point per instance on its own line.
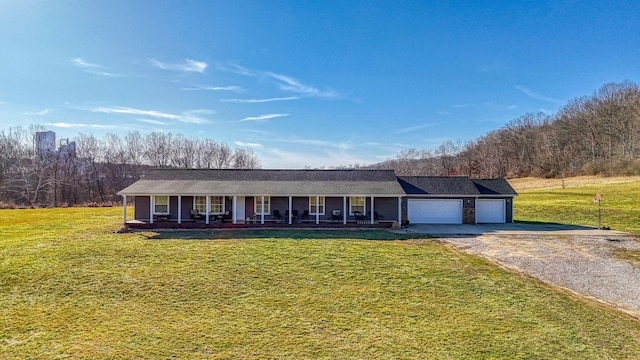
[360, 234]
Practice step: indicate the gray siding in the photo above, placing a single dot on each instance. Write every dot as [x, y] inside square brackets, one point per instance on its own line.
[141, 212]
[387, 208]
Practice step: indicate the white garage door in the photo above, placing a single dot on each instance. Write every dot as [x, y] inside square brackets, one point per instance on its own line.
[432, 211]
[490, 211]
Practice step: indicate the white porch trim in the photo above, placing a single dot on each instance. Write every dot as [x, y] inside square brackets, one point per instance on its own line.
[318, 210]
[179, 209]
[234, 206]
[208, 208]
[290, 211]
[262, 209]
[151, 205]
[124, 209]
[344, 210]
[372, 212]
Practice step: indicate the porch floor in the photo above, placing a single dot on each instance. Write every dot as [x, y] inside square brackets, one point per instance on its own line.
[198, 225]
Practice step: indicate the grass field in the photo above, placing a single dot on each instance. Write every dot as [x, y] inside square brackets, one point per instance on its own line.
[69, 288]
[542, 200]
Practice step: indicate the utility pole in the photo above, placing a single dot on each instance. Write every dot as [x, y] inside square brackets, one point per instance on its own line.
[598, 199]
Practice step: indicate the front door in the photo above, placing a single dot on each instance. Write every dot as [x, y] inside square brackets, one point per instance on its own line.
[239, 212]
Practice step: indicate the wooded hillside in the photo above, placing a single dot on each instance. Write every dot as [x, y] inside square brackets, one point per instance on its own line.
[597, 134]
[97, 168]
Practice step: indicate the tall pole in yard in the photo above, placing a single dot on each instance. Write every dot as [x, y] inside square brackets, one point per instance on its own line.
[598, 199]
[599, 216]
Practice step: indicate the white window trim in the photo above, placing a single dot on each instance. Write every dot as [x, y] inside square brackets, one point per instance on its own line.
[155, 203]
[257, 200]
[364, 204]
[195, 206]
[322, 204]
[210, 205]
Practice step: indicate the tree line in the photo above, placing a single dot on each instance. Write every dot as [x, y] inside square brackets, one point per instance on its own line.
[99, 167]
[590, 135]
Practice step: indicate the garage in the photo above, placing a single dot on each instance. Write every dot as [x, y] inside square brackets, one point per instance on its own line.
[434, 211]
[490, 211]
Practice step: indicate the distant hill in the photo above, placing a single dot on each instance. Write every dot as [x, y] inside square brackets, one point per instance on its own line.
[590, 135]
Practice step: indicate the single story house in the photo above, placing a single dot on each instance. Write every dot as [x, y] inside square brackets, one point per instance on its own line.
[361, 197]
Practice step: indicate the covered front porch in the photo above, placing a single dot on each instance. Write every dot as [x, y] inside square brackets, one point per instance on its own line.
[234, 211]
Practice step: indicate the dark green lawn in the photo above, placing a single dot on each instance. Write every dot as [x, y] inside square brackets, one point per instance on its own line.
[69, 288]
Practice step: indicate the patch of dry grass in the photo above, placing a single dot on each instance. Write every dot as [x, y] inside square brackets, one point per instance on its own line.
[530, 183]
[633, 256]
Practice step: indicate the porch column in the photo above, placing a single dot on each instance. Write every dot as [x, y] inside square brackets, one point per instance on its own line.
[208, 207]
[235, 208]
[372, 210]
[400, 210]
[344, 210]
[262, 210]
[179, 209]
[317, 210]
[290, 210]
[124, 209]
[151, 204]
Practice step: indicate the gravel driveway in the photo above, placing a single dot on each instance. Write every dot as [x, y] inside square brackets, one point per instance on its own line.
[584, 265]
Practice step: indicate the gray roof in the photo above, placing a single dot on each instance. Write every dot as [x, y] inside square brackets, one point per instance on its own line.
[454, 185]
[309, 183]
[266, 182]
[437, 185]
[494, 187]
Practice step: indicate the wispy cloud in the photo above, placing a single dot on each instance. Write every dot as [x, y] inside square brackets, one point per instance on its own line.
[247, 144]
[103, 73]
[537, 96]
[80, 62]
[280, 158]
[186, 66]
[190, 117]
[494, 105]
[151, 121]
[214, 88]
[264, 117]
[80, 125]
[90, 68]
[284, 82]
[288, 83]
[254, 101]
[39, 113]
[319, 143]
[413, 128]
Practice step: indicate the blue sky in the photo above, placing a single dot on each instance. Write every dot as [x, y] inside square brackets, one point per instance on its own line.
[306, 83]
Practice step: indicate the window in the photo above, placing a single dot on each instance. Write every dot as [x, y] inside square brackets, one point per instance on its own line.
[357, 204]
[161, 204]
[257, 205]
[217, 204]
[313, 206]
[201, 204]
